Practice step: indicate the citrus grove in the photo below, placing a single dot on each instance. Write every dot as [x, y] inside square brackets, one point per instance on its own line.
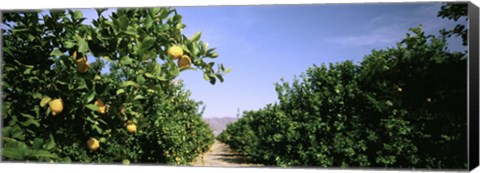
[403, 107]
[120, 106]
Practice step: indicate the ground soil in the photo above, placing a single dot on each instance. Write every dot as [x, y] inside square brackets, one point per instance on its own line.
[220, 155]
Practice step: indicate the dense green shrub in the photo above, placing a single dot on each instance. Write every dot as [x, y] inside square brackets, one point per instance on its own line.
[403, 107]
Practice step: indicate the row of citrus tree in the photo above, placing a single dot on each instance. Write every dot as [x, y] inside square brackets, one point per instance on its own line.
[402, 107]
[124, 106]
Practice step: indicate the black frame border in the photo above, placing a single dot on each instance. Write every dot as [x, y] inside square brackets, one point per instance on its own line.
[473, 79]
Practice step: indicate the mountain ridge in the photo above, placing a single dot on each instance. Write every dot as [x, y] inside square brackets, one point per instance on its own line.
[218, 124]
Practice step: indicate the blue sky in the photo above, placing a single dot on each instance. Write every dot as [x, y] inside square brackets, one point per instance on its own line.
[265, 43]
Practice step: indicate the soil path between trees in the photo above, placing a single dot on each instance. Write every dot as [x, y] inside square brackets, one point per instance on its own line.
[220, 155]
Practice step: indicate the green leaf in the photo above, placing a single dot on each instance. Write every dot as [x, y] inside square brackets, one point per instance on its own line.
[92, 107]
[228, 70]
[195, 50]
[103, 140]
[100, 11]
[89, 119]
[123, 22]
[196, 37]
[213, 80]
[82, 46]
[50, 144]
[140, 79]
[82, 85]
[131, 31]
[77, 14]
[138, 97]
[98, 129]
[120, 91]
[90, 96]
[214, 55]
[37, 143]
[161, 78]
[136, 114]
[106, 58]
[129, 83]
[11, 153]
[163, 14]
[220, 77]
[149, 75]
[157, 69]
[206, 77]
[29, 122]
[102, 121]
[37, 95]
[56, 52]
[45, 101]
[147, 42]
[180, 26]
[44, 154]
[15, 30]
[69, 44]
[125, 60]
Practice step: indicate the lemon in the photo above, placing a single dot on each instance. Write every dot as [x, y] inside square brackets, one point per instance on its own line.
[175, 51]
[56, 106]
[93, 144]
[399, 89]
[131, 127]
[82, 68]
[101, 106]
[82, 65]
[184, 62]
[74, 55]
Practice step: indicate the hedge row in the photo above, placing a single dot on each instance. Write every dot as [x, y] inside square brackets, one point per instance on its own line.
[403, 107]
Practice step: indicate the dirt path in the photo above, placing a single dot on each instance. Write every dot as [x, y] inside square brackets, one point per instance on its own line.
[222, 156]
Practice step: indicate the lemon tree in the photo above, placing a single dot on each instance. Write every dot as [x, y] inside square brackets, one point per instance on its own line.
[102, 91]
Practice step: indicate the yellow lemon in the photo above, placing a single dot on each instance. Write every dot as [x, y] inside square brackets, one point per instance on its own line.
[131, 127]
[101, 106]
[184, 62]
[93, 144]
[56, 106]
[74, 55]
[175, 51]
[82, 65]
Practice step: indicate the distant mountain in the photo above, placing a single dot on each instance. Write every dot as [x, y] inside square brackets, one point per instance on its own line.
[218, 124]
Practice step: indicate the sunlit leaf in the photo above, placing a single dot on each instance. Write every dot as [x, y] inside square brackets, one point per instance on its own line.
[92, 107]
[45, 101]
[120, 91]
[149, 75]
[195, 37]
[90, 96]
[228, 70]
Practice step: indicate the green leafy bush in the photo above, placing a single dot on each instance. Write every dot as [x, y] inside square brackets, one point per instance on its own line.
[404, 107]
[43, 61]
